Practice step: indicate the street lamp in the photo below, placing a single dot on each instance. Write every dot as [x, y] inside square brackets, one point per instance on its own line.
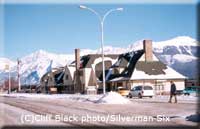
[102, 19]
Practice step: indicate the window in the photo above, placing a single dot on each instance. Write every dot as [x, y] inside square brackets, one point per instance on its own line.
[66, 77]
[159, 86]
[81, 73]
[148, 88]
[119, 84]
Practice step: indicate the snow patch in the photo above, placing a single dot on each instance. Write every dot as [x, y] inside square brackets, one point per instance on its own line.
[112, 98]
[184, 58]
[177, 41]
[108, 98]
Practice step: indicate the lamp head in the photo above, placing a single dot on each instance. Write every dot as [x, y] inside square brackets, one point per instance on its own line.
[120, 9]
[82, 7]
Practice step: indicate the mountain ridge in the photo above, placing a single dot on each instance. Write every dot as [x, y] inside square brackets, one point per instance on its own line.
[179, 51]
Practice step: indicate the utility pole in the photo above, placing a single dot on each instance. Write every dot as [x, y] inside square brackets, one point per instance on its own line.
[18, 74]
[7, 67]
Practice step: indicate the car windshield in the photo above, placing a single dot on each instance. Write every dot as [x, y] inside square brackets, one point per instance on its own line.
[138, 88]
[196, 88]
[148, 88]
[188, 88]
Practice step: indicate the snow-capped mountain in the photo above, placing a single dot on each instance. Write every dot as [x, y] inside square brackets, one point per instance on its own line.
[107, 50]
[34, 66]
[179, 53]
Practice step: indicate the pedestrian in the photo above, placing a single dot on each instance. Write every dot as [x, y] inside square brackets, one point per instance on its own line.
[172, 92]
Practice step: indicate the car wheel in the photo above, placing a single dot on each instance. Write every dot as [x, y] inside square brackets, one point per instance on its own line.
[130, 96]
[139, 96]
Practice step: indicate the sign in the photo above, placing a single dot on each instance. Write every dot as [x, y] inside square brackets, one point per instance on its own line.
[7, 67]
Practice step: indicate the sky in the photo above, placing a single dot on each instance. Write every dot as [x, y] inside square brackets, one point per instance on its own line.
[60, 28]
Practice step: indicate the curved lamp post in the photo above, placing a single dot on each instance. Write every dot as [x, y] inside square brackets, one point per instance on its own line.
[102, 19]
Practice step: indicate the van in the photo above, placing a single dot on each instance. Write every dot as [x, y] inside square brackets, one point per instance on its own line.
[141, 91]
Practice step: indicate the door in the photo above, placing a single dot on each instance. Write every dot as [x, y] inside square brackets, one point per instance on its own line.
[136, 91]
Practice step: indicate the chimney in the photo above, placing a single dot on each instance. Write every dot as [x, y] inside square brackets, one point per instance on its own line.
[77, 58]
[147, 46]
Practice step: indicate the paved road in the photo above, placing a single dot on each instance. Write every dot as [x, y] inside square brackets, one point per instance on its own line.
[24, 111]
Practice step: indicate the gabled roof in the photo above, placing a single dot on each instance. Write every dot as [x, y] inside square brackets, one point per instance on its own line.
[136, 68]
[151, 68]
[154, 70]
[128, 58]
[88, 60]
[53, 72]
[126, 61]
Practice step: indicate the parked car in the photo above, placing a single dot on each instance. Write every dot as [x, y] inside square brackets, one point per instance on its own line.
[179, 92]
[141, 91]
[191, 90]
[123, 91]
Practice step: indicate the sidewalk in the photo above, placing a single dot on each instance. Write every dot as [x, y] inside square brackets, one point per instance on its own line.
[165, 98]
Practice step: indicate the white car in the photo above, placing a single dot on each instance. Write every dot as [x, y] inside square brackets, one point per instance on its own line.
[141, 91]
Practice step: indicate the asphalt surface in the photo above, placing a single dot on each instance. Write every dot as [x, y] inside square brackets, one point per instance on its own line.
[59, 112]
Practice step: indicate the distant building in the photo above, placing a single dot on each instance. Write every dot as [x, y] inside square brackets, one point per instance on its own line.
[88, 71]
[126, 70]
[52, 79]
[143, 68]
[192, 82]
[1, 89]
[84, 74]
